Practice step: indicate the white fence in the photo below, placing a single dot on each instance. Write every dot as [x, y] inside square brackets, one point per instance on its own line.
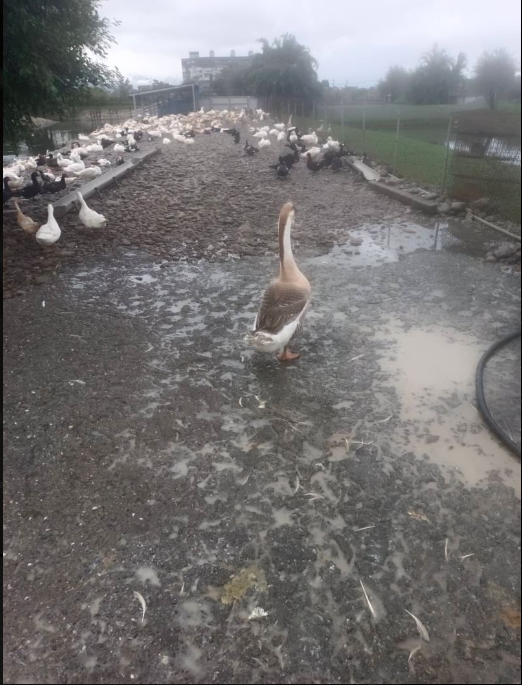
[229, 102]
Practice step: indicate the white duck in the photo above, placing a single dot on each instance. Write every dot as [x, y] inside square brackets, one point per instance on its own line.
[167, 141]
[89, 217]
[82, 152]
[62, 162]
[76, 166]
[49, 233]
[332, 144]
[313, 151]
[285, 301]
[279, 127]
[264, 142]
[281, 137]
[90, 173]
[120, 149]
[103, 162]
[25, 222]
[310, 140]
[260, 135]
[15, 181]
[84, 138]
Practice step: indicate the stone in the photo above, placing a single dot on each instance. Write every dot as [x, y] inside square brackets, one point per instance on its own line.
[356, 241]
[481, 203]
[458, 206]
[505, 251]
[491, 258]
[444, 208]
[431, 196]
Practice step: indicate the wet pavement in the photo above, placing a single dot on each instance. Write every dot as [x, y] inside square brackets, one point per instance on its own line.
[179, 508]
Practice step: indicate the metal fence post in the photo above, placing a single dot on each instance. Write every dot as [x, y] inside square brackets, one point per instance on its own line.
[325, 116]
[313, 112]
[342, 120]
[446, 160]
[364, 126]
[396, 149]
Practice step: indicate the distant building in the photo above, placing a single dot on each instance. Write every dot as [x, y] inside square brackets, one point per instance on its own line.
[204, 70]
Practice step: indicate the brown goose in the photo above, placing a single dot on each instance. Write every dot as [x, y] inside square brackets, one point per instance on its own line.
[285, 301]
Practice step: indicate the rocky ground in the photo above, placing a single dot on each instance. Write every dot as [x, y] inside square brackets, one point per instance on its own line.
[180, 509]
[209, 200]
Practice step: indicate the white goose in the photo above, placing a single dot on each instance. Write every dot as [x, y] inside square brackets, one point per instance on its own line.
[50, 232]
[285, 301]
[89, 217]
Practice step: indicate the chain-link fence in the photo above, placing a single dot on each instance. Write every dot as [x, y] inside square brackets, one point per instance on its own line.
[432, 145]
[486, 161]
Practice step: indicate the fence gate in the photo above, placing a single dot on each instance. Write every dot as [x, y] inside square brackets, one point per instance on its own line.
[486, 161]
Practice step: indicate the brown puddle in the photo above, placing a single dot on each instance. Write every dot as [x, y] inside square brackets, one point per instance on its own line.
[433, 370]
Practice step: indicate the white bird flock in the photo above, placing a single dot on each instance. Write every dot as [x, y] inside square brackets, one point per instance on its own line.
[73, 166]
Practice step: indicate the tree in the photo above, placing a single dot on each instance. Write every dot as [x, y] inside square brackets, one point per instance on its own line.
[495, 74]
[395, 84]
[231, 81]
[159, 85]
[123, 87]
[438, 79]
[284, 68]
[52, 55]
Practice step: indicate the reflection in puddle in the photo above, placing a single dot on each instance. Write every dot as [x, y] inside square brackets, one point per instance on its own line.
[376, 244]
[433, 370]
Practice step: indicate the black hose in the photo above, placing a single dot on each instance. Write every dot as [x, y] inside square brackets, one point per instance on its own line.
[481, 397]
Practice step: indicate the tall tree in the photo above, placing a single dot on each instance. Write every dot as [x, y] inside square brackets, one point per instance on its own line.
[52, 54]
[395, 84]
[438, 78]
[123, 87]
[495, 74]
[284, 68]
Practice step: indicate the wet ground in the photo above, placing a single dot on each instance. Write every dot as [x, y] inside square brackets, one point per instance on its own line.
[178, 508]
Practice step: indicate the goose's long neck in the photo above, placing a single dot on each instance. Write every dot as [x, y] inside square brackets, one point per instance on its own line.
[288, 265]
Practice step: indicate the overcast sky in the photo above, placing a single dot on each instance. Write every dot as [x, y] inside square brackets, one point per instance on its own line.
[354, 41]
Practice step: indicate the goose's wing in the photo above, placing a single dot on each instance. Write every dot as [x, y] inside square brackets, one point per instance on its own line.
[281, 305]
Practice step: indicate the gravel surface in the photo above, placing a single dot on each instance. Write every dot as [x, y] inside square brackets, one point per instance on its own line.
[147, 451]
[251, 504]
[208, 200]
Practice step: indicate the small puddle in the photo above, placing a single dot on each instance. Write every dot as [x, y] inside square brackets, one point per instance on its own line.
[376, 244]
[433, 371]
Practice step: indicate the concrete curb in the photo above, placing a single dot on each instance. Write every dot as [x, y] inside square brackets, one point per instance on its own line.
[426, 206]
[67, 203]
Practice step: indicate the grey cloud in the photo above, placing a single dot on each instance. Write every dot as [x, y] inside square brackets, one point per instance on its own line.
[354, 42]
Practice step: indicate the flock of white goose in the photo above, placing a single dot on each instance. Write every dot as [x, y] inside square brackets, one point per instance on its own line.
[27, 178]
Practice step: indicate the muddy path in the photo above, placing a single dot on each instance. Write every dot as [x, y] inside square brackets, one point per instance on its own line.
[252, 505]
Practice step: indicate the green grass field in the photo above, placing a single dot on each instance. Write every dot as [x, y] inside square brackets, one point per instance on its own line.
[415, 158]
[420, 153]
